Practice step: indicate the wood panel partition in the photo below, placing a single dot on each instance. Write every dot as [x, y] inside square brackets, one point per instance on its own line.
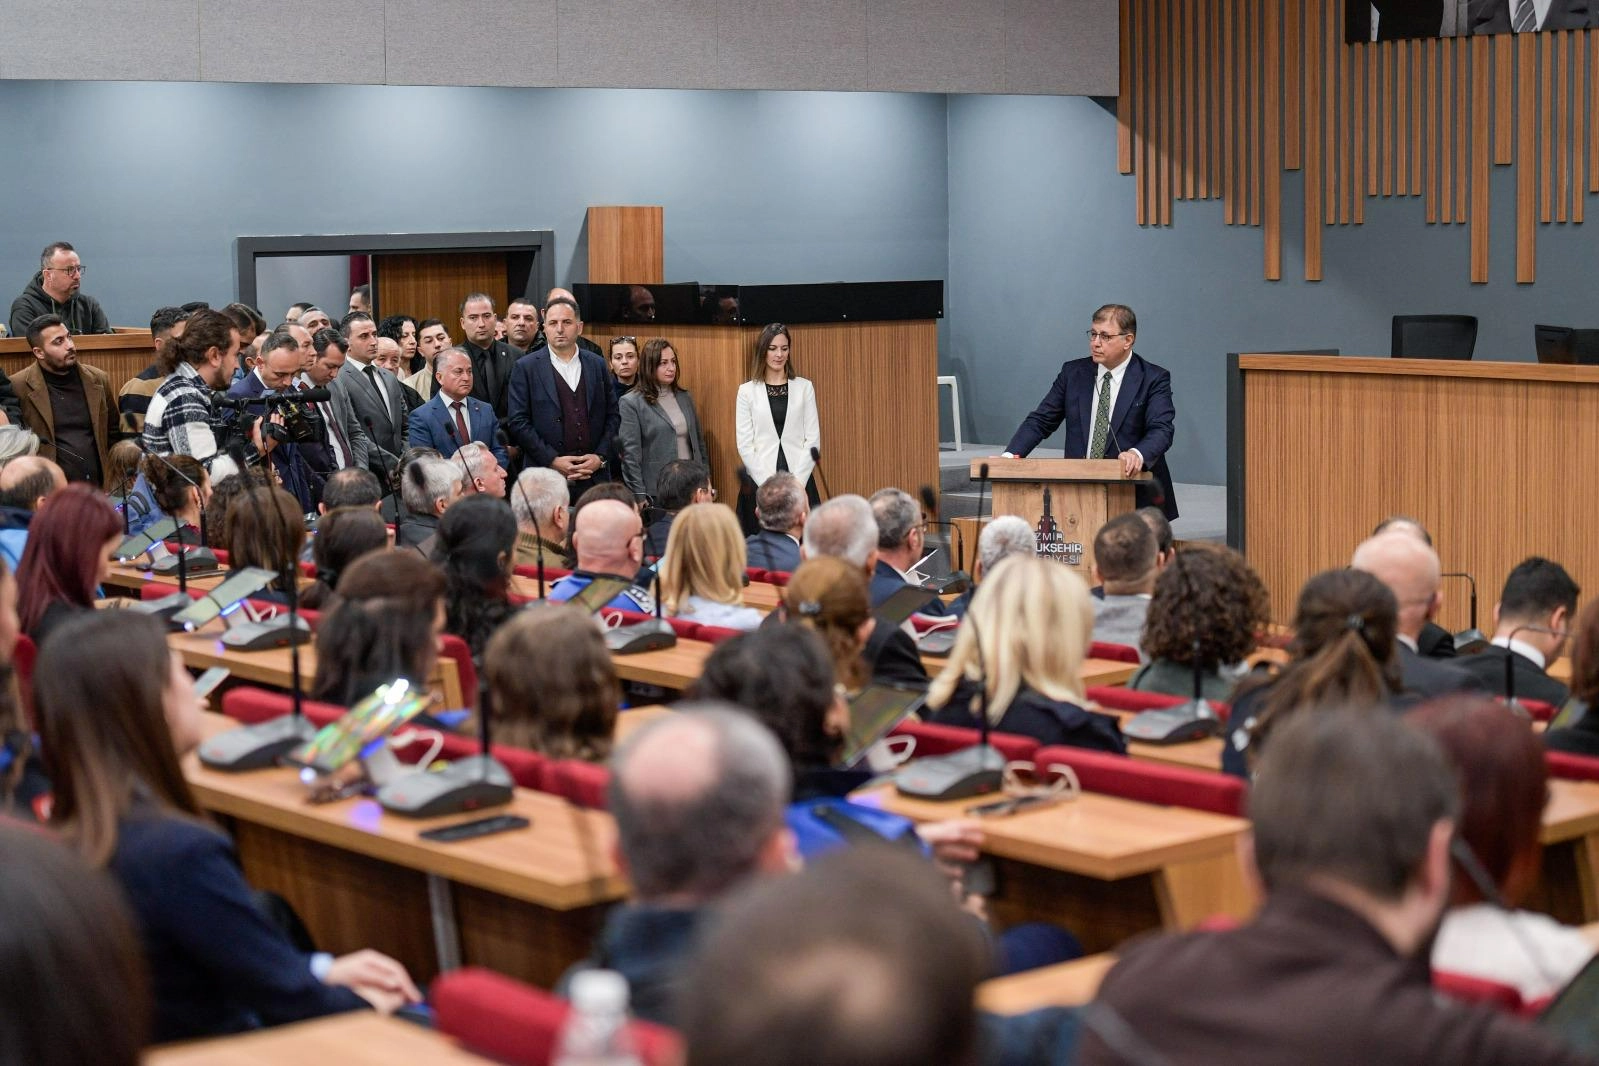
[1490, 457]
[432, 284]
[121, 354]
[627, 245]
[875, 396]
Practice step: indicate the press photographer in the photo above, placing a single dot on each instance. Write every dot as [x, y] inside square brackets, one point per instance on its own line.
[291, 431]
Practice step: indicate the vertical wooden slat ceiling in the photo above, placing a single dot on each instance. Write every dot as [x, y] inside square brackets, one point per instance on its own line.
[1220, 97]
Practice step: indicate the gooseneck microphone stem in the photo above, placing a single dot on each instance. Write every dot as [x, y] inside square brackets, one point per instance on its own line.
[1510, 657]
[816, 463]
[538, 533]
[1473, 583]
[456, 440]
[127, 505]
[383, 461]
[183, 549]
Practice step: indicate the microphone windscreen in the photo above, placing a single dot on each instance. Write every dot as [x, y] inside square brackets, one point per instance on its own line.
[816, 454]
[320, 394]
[929, 499]
[982, 472]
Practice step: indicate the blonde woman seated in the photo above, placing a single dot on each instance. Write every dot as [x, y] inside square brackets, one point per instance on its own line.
[1034, 623]
[552, 687]
[702, 571]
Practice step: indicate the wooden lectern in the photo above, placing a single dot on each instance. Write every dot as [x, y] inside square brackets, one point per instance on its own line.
[1064, 500]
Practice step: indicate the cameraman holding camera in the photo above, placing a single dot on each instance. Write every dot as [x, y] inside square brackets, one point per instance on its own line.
[269, 395]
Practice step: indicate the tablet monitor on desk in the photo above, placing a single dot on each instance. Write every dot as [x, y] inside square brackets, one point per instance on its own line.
[225, 597]
[369, 721]
[902, 604]
[875, 710]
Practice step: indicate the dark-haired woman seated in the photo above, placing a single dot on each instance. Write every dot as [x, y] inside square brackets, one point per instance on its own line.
[342, 536]
[116, 711]
[266, 529]
[474, 546]
[385, 625]
[1576, 729]
[68, 554]
[170, 477]
[1207, 605]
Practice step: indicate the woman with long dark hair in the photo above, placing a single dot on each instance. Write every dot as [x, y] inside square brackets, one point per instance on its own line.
[385, 625]
[117, 711]
[477, 537]
[70, 542]
[552, 685]
[342, 536]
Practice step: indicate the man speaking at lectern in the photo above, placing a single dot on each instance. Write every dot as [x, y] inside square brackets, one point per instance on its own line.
[1115, 404]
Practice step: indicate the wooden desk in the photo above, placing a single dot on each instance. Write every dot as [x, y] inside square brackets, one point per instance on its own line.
[1068, 984]
[122, 578]
[1106, 868]
[1569, 887]
[757, 594]
[359, 1038]
[1476, 439]
[526, 903]
[1560, 670]
[632, 719]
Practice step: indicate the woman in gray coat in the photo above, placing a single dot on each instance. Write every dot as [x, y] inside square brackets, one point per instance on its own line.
[659, 423]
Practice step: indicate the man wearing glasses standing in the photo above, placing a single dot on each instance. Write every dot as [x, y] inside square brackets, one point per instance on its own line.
[54, 290]
[1115, 404]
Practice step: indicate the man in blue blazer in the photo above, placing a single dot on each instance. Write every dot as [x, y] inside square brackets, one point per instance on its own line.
[562, 412]
[279, 364]
[1115, 404]
[437, 423]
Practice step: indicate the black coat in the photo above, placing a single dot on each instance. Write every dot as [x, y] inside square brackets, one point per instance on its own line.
[1531, 681]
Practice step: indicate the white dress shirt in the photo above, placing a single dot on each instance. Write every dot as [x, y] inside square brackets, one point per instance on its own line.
[571, 370]
[1521, 648]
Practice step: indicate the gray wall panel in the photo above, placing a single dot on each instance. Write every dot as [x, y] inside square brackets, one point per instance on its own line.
[1065, 47]
[303, 41]
[507, 42]
[792, 44]
[130, 40]
[955, 46]
[638, 43]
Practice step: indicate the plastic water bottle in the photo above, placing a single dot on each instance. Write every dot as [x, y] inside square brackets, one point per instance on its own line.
[595, 1033]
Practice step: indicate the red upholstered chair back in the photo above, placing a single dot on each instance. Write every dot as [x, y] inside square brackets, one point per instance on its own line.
[685, 629]
[717, 634]
[1122, 653]
[777, 577]
[23, 656]
[1173, 786]
[251, 706]
[1572, 767]
[518, 1024]
[454, 648]
[1468, 989]
[527, 768]
[942, 739]
[1125, 699]
[579, 782]
[1540, 711]
[551, 573]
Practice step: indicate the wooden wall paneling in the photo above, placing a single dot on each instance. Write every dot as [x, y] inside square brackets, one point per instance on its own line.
[1146, 82]
[1446, 148]
[1299, 24]
[1546, 91]
[1579, 121]
[1430, 189]
[1217, 9]
[1462, 126]
[1190, 94]
[1327, 83]
[1399, 105]
[1124, 90]
[1357, 108]
[1271, 141]
[1315, 175]
[1504, 88]
[1593, 110]
[1140, 106]
[626, 244]
[1168, 133]
[1373, 136]
[1526, 158]
[1253, 67]
[1203, 145]
[1233, 122]
[1417, 68]
[1385, 115]
[1346, 144]
[1479, 160]
[431, 284]
[1562, 124]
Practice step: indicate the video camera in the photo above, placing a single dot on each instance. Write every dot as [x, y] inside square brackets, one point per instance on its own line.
[302, 423]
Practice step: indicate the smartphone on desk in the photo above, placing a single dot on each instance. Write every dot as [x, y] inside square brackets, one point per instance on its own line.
[481, 827]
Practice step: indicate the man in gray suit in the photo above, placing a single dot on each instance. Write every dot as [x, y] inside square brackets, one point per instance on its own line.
[373, 393]
[347, 441]
[1125, 551]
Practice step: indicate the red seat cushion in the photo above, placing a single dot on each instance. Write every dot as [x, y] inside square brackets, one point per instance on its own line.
[1126, 699]
[717, 634]
[1571, 766]
[1469, 989]
[551, 573]
[251, 705]
[583, 783]
[24, 654]
[527, 768]
[454, 648]
[942, 739]
[1538, 709]
[515, 1023]
[777, 577]
[1147, 782]
[1122, 653]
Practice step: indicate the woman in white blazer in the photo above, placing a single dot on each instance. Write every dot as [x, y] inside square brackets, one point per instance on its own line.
[777, 423]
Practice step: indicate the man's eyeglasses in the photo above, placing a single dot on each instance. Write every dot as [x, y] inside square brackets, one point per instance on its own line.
[75, 270]
[1095, 335]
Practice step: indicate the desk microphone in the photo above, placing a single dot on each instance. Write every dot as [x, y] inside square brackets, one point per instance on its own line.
[1471, 640]
[972, 771]
[957, 580]
[1510, 664]
[816, 463]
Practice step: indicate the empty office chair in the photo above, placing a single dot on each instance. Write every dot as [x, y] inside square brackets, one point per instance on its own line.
[1434, 336]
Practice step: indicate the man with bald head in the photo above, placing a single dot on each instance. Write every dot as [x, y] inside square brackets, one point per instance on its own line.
[24, 483]
[699, 799]
[609, 542]
[1409, 567]
[1435, 642]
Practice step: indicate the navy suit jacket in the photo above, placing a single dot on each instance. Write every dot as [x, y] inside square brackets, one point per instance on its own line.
[433, 427]
[770, 550]
[533, 417]
[1143, 418]
[886, 581]
[291, 461]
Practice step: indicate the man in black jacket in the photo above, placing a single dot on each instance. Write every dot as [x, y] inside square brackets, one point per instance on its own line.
[1410, 570]
[492, 359]
[1531, 619]
[54, 290]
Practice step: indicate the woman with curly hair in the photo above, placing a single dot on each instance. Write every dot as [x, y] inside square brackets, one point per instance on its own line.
[553, 688]
[1207, 607]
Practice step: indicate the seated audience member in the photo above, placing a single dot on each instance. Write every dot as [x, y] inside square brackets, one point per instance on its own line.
[1504, 785]
[223, 492]
[702, 572]
[1435, 642]
[1165, 543]
[351, 487]
[122, 468]
[862, 958]
[781, 509]
[428, 486]
[385, 624]
[1002, 537]
[901, 543]
[608, 537]
[1530, 620]
[1577, 728]
[117, 710]
[17, 441]
[1034, 623]
[483, 471]
[541, 503]
[829, 596]
[1342, 654]
[178, 499]
[843, 528]
[1409, 567]
[1125, 564]
[682, 482]
[1353, 814]
[66, 560]
[703, 766]
[266, 529]
[344, 535]
[25, 482]
[24, 786]
[1208, 605]
[605, 490]
[473, 548]
[552, 686]
[71, 974]
[133, 399]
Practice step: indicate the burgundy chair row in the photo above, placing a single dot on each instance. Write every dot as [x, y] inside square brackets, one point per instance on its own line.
[23, 656]
[582, 783]
[514, 1023]
[1125, 699]
[683, 627]
[157, 590]
[1121, 653]
[770, 577]
[1571, 766]
[551, 573]
[1148, 782]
